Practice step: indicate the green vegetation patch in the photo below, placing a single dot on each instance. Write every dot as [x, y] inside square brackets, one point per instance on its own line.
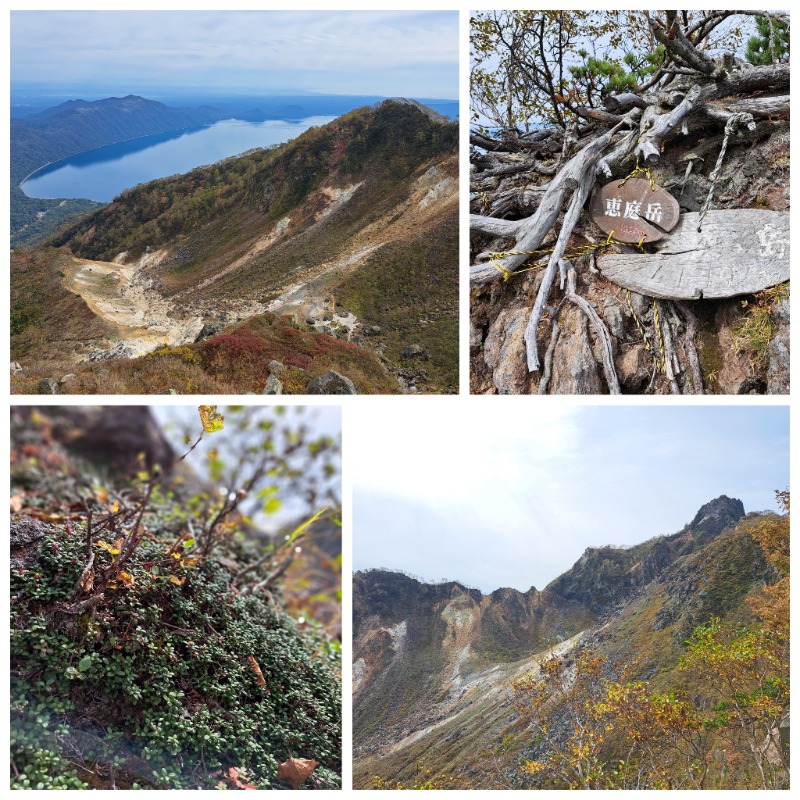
[410, 290]
[141, 656]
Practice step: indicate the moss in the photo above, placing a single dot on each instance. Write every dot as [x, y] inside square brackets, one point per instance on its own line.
[155, 685]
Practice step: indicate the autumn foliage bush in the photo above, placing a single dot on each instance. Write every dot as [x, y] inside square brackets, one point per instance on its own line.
[591, 727]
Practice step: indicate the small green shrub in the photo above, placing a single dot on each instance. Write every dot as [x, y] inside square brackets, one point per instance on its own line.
[167, 669]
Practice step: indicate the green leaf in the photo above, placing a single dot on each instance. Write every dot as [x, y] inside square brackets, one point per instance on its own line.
[272, 505]
[84, 663]
[301, 529]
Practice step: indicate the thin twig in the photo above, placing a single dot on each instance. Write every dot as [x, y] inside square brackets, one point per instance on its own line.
[89, 553]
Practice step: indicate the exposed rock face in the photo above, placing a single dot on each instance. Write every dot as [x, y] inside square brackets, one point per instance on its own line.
[603, 577]
[715, 516]
[778, 369]
[433, 663]
[113, 435]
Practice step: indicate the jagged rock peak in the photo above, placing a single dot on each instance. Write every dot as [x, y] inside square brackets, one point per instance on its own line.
[717, 514]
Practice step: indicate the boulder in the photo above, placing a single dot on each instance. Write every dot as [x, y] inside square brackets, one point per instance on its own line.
[119, 350]
[415, 351]
[25, 536]
[274, 386]
[331, 383]
[48, 386]
[208, 329]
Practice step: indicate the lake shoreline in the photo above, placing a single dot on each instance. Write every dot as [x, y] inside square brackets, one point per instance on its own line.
[94, 149]
[207, 152]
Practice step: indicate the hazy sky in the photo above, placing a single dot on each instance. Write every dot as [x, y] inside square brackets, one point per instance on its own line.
[410, 53]
[513, 496]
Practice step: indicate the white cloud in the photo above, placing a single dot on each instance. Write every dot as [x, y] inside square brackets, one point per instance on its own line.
[416, 52]
[498, 494]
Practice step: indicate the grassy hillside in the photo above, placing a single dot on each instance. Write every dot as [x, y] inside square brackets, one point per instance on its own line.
[52, 325]
[356, 219]
[385, 145]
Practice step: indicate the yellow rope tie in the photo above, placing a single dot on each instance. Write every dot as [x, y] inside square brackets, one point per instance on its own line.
[639, 325]
[644, 171]
[660, 336]
[584, 250]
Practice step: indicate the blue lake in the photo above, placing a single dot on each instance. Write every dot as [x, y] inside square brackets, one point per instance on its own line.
[103, 173]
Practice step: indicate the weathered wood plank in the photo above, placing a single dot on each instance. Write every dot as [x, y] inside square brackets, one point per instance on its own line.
[738, 251]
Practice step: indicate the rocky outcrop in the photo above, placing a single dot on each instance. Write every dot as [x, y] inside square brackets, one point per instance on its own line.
[604, 577]
[714, 517]
[432, 663]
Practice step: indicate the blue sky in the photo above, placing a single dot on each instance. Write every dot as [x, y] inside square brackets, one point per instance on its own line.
[514, 497]
[409, 53]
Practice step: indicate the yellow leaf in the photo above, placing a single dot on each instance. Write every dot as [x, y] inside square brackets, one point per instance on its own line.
[300, 529]
[126, 579]
[212, 420]
[176, 556]
[176, 580]
[106, 546]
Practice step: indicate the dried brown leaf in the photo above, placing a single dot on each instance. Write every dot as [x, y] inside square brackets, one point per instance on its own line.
[296, 770]
[88, 581]
[233, 776]
[16, 503]
[257, 670]
[45, 517]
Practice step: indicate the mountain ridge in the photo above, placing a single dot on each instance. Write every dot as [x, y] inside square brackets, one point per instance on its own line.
[420, 679]
[349, 230]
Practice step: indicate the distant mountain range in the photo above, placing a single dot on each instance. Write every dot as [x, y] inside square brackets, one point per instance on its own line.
[76, 126]
[434, 663]
[351, 229]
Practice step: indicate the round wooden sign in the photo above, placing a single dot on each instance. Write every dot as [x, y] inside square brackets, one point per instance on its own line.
[631, 209]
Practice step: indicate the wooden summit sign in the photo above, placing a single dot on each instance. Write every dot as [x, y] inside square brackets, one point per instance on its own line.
[738, 251]
[633, 210]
